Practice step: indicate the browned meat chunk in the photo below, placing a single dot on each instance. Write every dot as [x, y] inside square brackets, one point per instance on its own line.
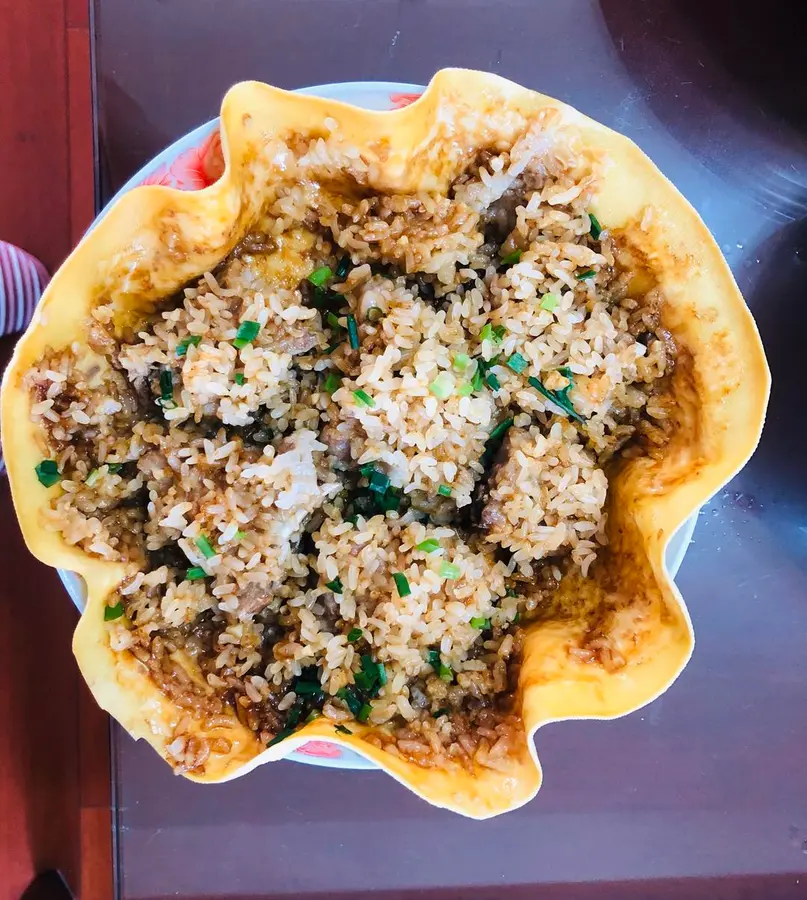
[253, 598]
[337, 436]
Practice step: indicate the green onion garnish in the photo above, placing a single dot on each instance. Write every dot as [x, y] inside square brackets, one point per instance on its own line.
[113, 612]
[585, 276]
[246, 334]
[205, 547]
[492, 382]
[47, 472]
[114, 468]
[319, 276]
[428, 546]
[511, 258]
[363, 398]
[92, 477]
[494, 333]
[517, 363]
[239, 378]
[332, 383]
[195, 573]
[364, 713]
[351, 698]
[314, 714]
[596, 229]
[402, 583]
[465, 389]
[374, 314]
[331, 347]
[342, 730]
[167, 389]
[239, 535]
[549, 302]
[480, 622]
[445, 673]
[333, 320]
[354, 635]
[379, 482]
[443, 386]
[560, 399]
[336, 585]
[280, 736]
[182, 346]
[367, 469]
[517, 618]
[302, 687]
[461, 362]
[500, 430]
[343, 268]
[443, 711]
[352, 332]
[381, 672]
[449, 571]
[444, 490]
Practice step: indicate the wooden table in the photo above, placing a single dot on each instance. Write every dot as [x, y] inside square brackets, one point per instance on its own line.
[704, 793]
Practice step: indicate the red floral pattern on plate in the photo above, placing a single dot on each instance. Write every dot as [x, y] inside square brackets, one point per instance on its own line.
[398, 101]
[194, 169]
[320, 748]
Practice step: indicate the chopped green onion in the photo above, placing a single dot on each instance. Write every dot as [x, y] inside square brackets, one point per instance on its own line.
[331, 347]
[586, 276]
[379, 482]
[445, 673]
[363, 398]
[382, 673]
[302, 687]
[374, 314]
[353, 332]
[465, 389]
[367, 469]
[449, 571]
[195, 573]
[336, 585]
[512, 258]
[113, 612]
[364, 713]
[517, 618]
[239, 378]
[92, 478]
[517, 363]
[319, 276]
[443, 386]
[167, 389]
[349, 696]
[205, 547]
[333, 320]
[492, 382]
[494, 333]
[428, 546]
[480, 622]
[461, 362]
[477, 380]
[47, 472]
[511, 592]
[239, 535]
[365, 682]
[500, 430]
[559, 399]
[444, 490]
[332, 383]
[246, 334]
[439, 666]
[549, 302]
[342, 730]
[443, 711]
[355, 634]
[281, 735]
[182, 346]
[402, 583]
[596, 229]
[314, 714]
[343, 268]
[114, 468]
[389, 501]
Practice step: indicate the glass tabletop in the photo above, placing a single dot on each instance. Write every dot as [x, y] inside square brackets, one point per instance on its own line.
[705, 787]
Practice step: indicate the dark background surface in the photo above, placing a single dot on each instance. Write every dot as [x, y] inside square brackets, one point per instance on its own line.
[709, 783]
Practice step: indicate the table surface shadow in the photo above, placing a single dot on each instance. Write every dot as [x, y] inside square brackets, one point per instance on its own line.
[704, 792]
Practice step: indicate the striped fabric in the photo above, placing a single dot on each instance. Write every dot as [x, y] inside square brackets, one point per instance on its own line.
[22, 280]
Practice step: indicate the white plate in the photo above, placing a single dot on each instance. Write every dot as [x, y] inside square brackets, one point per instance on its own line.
[381, 95]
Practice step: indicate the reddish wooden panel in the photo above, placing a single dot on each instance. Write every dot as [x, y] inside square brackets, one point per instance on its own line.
[82, 173]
